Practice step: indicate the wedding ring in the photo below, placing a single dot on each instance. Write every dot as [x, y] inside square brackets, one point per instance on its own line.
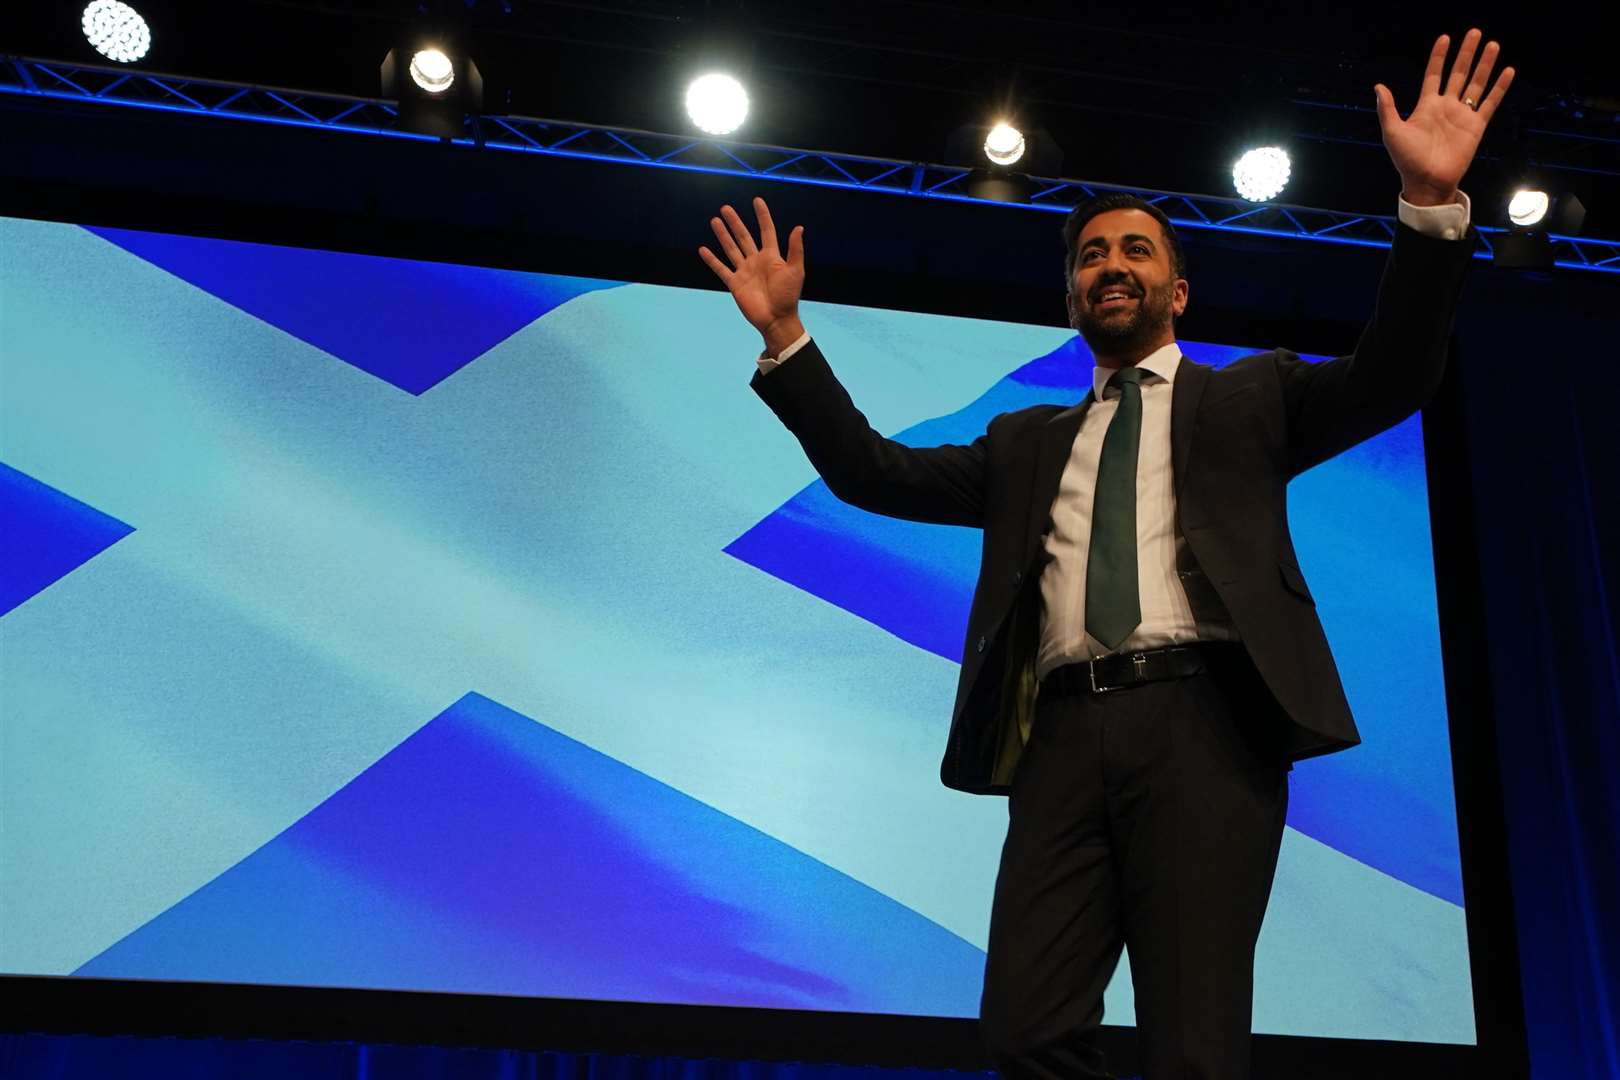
[1471, 103]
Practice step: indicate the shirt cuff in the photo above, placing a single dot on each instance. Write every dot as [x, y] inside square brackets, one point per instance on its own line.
[771, 363]
[1448, 222]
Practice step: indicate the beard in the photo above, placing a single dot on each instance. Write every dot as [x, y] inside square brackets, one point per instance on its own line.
[1123, 332]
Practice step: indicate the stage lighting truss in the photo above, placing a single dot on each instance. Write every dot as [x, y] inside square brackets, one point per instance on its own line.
[376, 117]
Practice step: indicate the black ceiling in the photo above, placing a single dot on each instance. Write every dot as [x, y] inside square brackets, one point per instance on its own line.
[1154, 97]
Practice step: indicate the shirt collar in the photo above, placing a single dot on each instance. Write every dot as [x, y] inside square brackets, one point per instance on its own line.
[1161, 362]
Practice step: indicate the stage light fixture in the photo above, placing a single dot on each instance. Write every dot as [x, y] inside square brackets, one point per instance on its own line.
[432, 71]
[1004, 145]
[1534, 218]
[1001, 157]
[1261, 173]
[716, 103]
[438, 87]
[1528, 207]
[116, 31]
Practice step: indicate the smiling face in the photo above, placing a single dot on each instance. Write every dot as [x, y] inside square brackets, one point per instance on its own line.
[1125, 295]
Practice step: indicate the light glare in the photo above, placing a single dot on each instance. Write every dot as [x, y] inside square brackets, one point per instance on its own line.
[116, 31]
[432, 71]
[1528, 207]
[717, 103]
[1261, 173]
[1004, 145]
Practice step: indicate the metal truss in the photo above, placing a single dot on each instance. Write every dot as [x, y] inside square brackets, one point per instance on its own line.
[134, 88]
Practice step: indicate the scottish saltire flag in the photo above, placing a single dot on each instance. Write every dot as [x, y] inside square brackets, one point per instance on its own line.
[387, 624]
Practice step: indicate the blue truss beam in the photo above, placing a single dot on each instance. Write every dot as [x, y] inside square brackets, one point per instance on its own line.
[133, 88]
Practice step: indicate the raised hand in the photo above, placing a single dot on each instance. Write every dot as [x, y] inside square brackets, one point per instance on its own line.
[765, 285]
[1433, 147]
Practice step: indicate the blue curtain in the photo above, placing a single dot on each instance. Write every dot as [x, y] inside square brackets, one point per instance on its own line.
[1542, 401]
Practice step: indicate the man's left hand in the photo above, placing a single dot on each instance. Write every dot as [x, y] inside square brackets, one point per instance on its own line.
[1433, 147]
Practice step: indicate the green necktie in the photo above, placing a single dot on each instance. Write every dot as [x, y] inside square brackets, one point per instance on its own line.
[1113, 608]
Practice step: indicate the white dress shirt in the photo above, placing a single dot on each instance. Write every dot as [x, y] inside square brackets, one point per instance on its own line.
[1167, 614]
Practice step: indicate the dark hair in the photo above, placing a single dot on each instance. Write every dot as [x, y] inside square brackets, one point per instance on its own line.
[1116, 200]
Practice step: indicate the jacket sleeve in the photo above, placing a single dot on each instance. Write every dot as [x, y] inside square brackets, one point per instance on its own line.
[944, 485]
[1398, 361]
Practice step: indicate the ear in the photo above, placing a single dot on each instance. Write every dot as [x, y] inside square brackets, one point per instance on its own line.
[1178, 301]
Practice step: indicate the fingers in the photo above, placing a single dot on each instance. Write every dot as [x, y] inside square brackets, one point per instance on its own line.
[1387, 116]
[745, 239]
[1487, 108]
[1475, 90]
[1464, 61]
[767, 227]
[716, 265]
[738, 243]
[1466, 82]
[727, 244]
[1437, 64]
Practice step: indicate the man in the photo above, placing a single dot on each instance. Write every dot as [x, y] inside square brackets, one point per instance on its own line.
[1143, 660]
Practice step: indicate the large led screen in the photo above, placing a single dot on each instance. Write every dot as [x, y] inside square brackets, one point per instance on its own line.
[388, 624]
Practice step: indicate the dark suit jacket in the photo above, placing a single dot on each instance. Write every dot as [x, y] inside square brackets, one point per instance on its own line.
[1238, 435]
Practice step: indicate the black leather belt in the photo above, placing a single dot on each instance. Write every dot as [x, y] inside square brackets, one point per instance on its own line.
[1117, 671]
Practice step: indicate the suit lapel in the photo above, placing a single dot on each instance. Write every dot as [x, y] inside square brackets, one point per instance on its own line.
[1056, 440]
[1185, 394]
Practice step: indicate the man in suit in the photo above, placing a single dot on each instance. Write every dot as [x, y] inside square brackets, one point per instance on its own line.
[1143, 659]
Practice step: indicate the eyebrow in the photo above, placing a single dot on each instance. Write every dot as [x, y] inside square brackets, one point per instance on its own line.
[1129, 238]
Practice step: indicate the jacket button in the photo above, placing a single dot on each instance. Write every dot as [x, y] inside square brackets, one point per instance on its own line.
[1018, 576]
[981, 644]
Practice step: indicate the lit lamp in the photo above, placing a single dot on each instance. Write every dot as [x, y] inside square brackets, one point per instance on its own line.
[1002, 158]
[437, 88]
[1533, 216]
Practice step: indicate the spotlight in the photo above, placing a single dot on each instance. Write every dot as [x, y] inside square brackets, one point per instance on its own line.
[1000, 159]
[1535, 216]
[432, 71]
[1527, 207]
[1261, 174]
[116, 31]
[717, 103]
[437, 87]
[1004, 145]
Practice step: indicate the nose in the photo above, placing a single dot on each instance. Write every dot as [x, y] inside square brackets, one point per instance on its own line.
[1113, 271]
[1115, 263]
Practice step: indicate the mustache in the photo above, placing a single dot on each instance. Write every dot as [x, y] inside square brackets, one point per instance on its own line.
[1130, 286]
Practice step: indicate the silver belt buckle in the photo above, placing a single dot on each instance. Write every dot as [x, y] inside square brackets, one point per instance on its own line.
[1137, 658]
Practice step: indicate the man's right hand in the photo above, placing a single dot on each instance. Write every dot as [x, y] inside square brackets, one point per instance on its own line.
[765, 286]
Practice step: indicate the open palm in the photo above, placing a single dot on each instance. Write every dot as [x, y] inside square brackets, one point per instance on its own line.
[1433, 147]
[765, 286]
